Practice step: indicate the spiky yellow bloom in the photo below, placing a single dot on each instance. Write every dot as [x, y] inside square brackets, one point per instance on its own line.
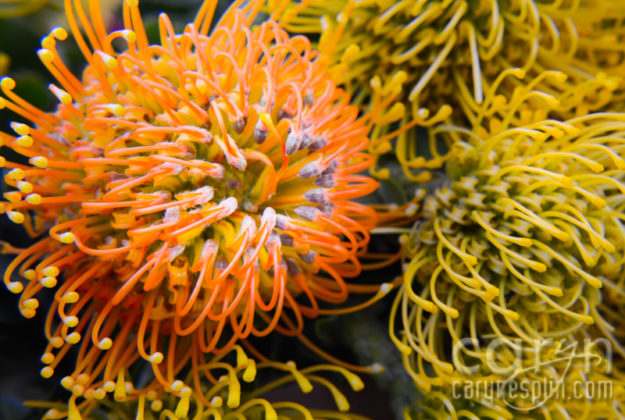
[215, 390]
[517, 246]
[194, 191]
[453, 52]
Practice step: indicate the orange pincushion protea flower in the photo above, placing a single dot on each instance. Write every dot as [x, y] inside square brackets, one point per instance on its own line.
[193, 191]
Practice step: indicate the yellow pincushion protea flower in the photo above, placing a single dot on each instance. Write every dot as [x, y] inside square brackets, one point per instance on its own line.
[453, 52]
[215, 390]
[518, 246]
[533, 212]
[195, 191]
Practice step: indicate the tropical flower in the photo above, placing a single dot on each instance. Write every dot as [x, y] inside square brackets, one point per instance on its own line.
[454, 53]
[194, 191]
[216, 390]
[520, 246]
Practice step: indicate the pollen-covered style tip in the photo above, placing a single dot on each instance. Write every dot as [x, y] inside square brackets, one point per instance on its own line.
[193, 190]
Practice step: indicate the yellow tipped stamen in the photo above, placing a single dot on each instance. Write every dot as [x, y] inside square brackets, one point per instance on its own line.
[24, 187]
[24, 141]
[66, 238]
[155, 358]
[15, 287]
[16, 174]
[70, 297]
[48, 282]
[34, 199]
[16, 217]
[20, 129]
[13, 197]
[73, 338]
[31, 303]
[67, 382]
[105, 344]
[50, 271]
[70, 321]
[64, 97]
[46, 372]
[40, 162]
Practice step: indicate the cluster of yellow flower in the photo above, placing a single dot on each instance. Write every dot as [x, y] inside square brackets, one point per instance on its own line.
[204, 189]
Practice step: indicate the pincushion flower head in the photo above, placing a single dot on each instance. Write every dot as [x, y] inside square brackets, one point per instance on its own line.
[453, 53]
[520, 246]
[510, 250]
[194, 191]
